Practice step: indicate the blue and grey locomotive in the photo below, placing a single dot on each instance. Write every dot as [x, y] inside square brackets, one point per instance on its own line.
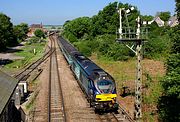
[98, 85]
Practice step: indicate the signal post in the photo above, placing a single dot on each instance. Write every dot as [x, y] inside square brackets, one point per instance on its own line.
[133, 40]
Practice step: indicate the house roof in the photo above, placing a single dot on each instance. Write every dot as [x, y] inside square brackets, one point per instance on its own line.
[36, 26]
[7, 87]
[173, 21]
[159, 21]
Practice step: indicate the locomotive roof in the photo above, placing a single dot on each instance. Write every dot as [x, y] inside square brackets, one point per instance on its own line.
[69, 47]
[87, 64]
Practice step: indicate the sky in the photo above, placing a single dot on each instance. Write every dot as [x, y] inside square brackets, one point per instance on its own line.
[56, 12]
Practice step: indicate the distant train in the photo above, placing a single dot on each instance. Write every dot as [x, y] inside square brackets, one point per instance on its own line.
[97, 84]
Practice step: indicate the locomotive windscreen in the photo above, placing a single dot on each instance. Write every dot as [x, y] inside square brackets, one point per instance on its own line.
[105, 86]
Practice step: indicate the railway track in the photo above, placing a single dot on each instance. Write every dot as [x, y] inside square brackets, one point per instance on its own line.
[56, 109]
[125, 114]
[25, 73]
[121, 116]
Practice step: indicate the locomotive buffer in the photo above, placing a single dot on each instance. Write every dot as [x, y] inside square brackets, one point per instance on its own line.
[132, 37]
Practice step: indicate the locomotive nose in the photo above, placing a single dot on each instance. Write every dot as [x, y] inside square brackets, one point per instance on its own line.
[105, 86]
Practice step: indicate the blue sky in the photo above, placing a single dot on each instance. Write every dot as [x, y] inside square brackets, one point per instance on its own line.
[58, 11]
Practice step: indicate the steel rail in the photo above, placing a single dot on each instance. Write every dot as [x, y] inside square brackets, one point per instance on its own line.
[127, 116]
[60, 87]
[49, 94]
[122, 115]
[20, 76]
[59, 83]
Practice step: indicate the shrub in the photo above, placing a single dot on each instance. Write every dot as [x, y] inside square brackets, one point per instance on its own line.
[33, 39]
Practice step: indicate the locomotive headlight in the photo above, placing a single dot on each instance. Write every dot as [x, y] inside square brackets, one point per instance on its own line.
[110, 105]
[96, 92]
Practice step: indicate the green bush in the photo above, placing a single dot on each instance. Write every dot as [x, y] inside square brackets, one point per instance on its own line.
[105, 42]
[72, 38]
[118, 52]
[100, 32]
[39, 33]
[159, 43]
[169, 102]
[34, 39]
[83, 48]
[112, 50]
[175, 36]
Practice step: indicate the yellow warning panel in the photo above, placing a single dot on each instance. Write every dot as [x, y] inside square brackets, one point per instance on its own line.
[105, 97]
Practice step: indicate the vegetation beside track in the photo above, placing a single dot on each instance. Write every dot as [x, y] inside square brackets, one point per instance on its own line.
[97, 35]
[124, 73]
[29, 53]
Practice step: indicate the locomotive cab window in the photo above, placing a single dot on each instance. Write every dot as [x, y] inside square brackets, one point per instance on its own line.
[105, 86]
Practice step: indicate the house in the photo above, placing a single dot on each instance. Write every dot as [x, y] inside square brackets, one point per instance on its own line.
[173, 21]
[33, 28]
[158, 20]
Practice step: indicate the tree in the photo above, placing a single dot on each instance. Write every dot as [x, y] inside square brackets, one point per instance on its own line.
[100, 31]
[34, 39]
[169, 102]
[178, 9]
[7, 37]
[175, 36]
[165, 15]
[82, 47]
[107, 20]
[147, 18]
[78, 27]
[159, 43]
[39, 33]
[21, 31]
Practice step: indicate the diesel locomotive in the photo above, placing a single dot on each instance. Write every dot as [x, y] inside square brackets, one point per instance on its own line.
[96, 83]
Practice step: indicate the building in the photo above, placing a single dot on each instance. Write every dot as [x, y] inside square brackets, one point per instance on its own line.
[173, 21]
[33, 28]
[8, 110]
[158, 20]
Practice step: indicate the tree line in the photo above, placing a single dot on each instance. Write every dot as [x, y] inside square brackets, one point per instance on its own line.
[98, 34]
[169, 102]
[12, 35]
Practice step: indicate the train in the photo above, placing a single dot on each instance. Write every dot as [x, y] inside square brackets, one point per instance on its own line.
[97, 84]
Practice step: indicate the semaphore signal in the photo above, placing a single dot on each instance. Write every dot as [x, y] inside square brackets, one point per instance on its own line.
[136, 36]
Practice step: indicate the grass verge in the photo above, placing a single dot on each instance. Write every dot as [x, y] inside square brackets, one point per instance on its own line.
[31, 102]
[124, 73]
[29, 53]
